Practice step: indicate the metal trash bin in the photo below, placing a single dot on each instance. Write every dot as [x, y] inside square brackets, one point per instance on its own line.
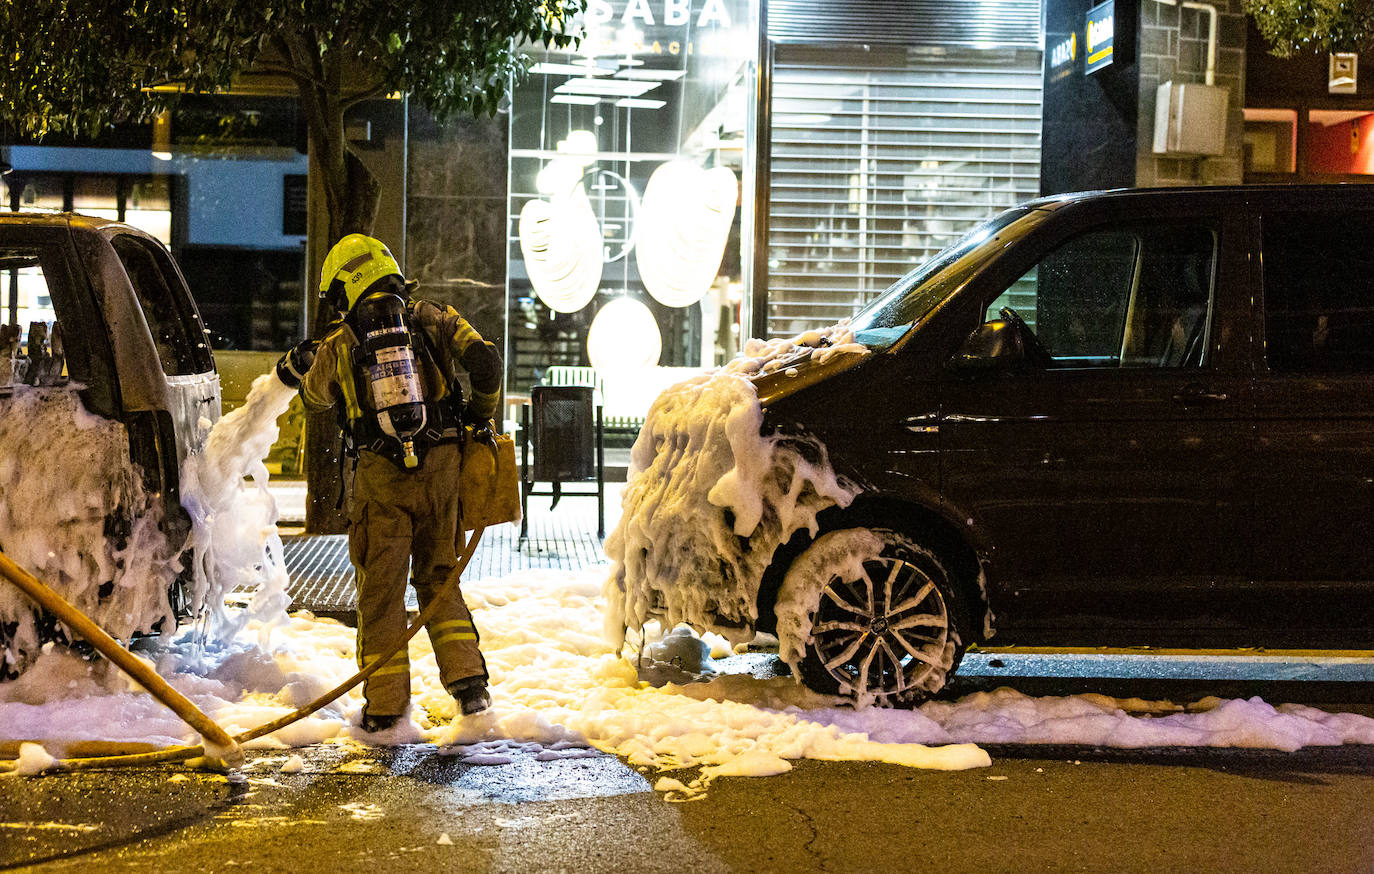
[565, 436]
[563, 433]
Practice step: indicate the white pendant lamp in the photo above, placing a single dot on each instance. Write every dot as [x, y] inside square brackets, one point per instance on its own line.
[560, 238]
[623, 336]
[684, 224]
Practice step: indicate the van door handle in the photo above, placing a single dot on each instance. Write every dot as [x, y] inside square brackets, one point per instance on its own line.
[1196, 394]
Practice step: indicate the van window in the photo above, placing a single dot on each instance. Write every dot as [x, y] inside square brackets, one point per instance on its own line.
[175, 326]
[1319, 292]
[31, 332]
[26, 288]
[1132, 296]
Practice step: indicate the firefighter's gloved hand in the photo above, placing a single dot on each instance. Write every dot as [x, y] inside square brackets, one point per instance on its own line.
[482, 429]
[292, 367]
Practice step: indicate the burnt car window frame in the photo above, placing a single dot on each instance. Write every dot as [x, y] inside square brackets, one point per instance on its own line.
[173, 321]
[89, 360]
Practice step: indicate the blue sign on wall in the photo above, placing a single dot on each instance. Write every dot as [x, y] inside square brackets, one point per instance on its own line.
[1101, 31]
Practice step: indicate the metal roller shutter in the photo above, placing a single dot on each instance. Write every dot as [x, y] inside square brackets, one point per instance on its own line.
[976, 23]
[880, 159]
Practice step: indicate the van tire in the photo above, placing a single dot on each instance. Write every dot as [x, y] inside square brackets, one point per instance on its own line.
[892, 647]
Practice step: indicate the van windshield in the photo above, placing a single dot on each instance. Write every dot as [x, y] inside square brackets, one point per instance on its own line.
[886, 319]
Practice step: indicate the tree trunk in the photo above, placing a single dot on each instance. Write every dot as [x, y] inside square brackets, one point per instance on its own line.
[351, 196]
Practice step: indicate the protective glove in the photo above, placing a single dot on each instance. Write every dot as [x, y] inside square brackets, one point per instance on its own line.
[482, 429]
[292, 367]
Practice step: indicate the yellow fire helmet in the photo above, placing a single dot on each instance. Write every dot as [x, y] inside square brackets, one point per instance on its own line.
[355, 263]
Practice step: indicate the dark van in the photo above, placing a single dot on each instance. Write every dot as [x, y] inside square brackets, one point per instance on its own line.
[1140, 417]
[107, 315]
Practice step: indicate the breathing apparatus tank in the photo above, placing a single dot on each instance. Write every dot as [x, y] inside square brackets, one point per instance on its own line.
[387, 352]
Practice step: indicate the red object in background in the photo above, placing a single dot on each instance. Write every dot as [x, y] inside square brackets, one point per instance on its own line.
[1346, 148]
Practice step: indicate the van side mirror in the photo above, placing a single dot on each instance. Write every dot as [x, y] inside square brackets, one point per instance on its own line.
[996, 345]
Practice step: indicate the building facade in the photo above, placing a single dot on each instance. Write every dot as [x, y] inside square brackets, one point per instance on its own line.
[697, 172]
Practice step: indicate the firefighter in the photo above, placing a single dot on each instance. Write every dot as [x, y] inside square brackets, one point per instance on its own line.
[391, 363]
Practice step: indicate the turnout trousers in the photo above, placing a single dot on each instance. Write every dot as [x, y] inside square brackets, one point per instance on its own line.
[407, 520]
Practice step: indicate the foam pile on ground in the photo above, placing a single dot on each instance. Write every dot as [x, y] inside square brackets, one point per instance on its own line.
[75, 515]
[560, 690]
[709, 498]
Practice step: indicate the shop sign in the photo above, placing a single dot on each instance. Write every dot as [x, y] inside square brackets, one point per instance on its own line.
[1062, 56]
[667, 13]
[1101, 33]
[661, 27]
[1341, 76]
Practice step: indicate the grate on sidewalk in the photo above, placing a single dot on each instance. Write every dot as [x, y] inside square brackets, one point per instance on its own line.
[322, 577]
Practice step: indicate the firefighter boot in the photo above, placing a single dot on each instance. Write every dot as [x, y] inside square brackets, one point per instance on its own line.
[373, 724]
[471, 694]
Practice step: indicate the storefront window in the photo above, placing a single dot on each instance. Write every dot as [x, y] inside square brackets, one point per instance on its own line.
[148, 207]
[219, 180]
[1271, 140]
[37, 192]
[1316, 145]
[1340, 141]
[627, 158]
[96, 196]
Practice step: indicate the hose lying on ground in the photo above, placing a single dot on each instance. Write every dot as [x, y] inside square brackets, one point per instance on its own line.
[220, 744]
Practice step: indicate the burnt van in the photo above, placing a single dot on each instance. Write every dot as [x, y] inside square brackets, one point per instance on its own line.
[103, 361]
[1137, 417]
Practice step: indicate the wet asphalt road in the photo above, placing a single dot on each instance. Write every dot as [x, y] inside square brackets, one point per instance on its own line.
[354, 809]
[411, 809]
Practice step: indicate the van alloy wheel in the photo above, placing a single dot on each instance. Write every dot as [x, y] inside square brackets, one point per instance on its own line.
[890, 635]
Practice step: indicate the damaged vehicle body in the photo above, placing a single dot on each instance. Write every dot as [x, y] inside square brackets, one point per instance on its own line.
[100, 404]
[1116, 418]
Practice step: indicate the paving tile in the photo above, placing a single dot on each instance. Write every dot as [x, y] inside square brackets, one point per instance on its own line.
[322, 577]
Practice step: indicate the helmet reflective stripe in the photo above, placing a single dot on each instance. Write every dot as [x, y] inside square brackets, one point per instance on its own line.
[356, 263]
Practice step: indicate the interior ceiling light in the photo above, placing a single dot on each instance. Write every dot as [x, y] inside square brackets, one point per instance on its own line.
[623, 336]
[559, 237]
[650, 73]
[552, 69]
[640, 103]
[684, 223]
[614, 87]
[581, 99]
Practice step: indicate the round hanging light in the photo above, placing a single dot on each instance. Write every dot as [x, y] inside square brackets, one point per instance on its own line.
[623, 336]
[560, 238]
[683, 226]
[561, 242]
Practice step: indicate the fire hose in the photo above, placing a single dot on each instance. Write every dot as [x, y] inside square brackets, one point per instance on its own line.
[217, 744]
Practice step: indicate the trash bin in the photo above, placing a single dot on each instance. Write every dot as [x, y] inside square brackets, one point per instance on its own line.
[563, 428]
[564, 433]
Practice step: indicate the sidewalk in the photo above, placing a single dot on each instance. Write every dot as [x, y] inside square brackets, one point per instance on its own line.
[562, 538]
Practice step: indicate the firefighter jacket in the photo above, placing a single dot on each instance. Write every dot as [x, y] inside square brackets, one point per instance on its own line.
[452, 346]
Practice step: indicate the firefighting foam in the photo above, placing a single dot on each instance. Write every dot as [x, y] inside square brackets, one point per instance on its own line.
[74, 513]
[709, 498]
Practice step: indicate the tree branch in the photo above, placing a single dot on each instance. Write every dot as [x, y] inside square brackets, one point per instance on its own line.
[293, 64]
[348, 101]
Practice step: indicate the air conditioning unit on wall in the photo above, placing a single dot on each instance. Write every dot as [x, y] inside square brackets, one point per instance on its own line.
[1190, 119]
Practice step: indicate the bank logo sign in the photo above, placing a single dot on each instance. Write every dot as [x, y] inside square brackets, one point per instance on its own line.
[1101, 30]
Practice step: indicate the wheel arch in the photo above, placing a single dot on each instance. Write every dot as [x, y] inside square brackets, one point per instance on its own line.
[921, 523]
